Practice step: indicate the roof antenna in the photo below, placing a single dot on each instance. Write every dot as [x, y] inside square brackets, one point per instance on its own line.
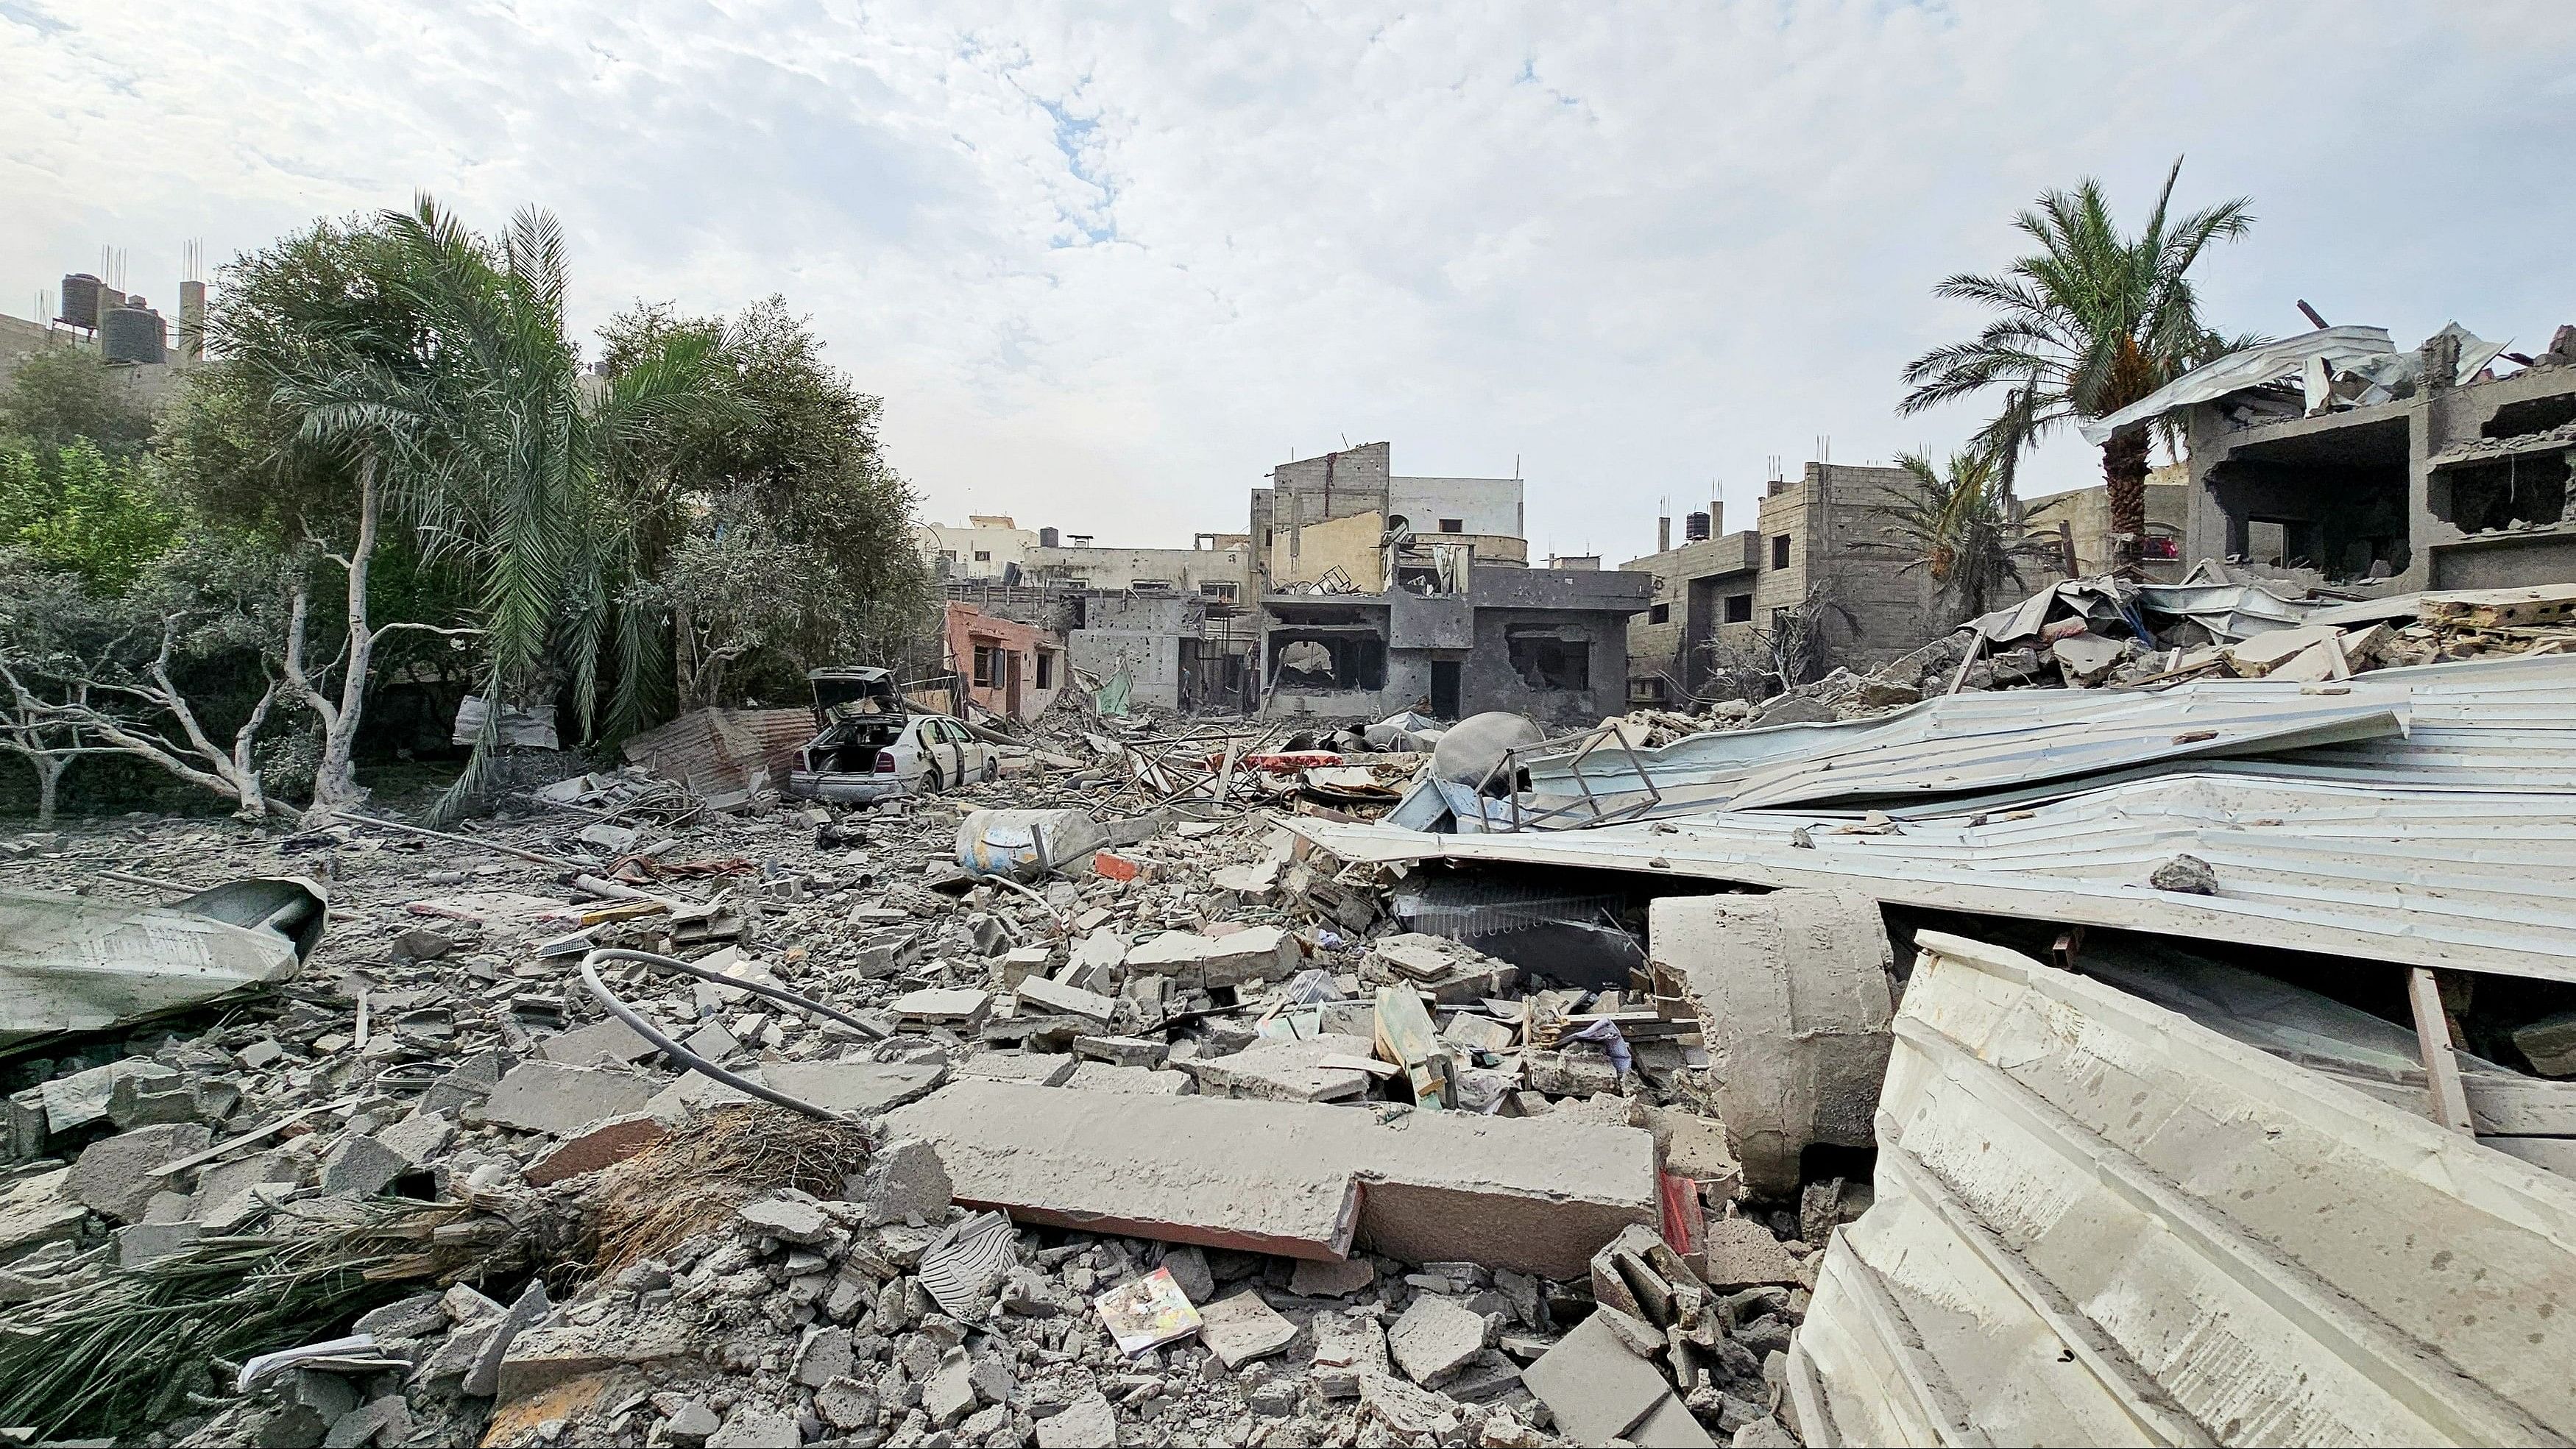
[2314, 320]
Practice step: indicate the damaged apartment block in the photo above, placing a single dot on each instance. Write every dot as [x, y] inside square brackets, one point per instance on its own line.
[1383, 593]
[1815, 570]
[2333, 451]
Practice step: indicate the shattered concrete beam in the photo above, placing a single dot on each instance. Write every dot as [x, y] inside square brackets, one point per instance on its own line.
[1300, 1180]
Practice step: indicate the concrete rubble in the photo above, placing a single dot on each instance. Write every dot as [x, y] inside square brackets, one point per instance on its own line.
[1353, 1146]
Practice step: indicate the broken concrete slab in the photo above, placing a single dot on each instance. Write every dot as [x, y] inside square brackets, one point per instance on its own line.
[1791, 990]
[1263, 953]
[1242, 1327]
[903, 1180]
[857, 1089]
[950, 1006]
[1436, 1338]
[1321, 1278]
[556, 1099]
[1741, 1253]
[113, 1177]
[1040, 994]
[600, 1144]
[1133, 1081]
[610, 1038]
[1042, 1069]
[1599, 1389]
[37, 1210]
[1348, 1348]
[1286, 1071]
[1297, 1179]
[361, 1166]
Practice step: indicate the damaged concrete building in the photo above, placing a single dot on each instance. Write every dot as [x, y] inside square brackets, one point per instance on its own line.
[1383, 593]
[2444, 467]
[1818, 560]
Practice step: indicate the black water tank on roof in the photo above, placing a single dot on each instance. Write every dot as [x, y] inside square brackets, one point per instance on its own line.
[80, 300]
[133, 333]
[1695, 528]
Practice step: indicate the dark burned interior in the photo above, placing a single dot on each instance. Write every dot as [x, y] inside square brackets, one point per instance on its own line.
[1327, 657]
[849, 745]
[2335, 500]
[2508, 492]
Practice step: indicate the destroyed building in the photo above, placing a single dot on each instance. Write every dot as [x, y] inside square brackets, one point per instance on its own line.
[1385, 593]
[2079, 521]
[1819, 558]
[2444, 467]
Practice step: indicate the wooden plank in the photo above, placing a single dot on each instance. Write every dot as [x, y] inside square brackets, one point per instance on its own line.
[1405, 1037]
[2450, 1101]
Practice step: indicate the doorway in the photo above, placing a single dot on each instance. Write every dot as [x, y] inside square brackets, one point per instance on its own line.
[1444, 688]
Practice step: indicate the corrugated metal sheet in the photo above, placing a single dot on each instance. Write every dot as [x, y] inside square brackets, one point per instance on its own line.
[2096, 1222]
[717, 749]
[2502, 724]
[2469, 881]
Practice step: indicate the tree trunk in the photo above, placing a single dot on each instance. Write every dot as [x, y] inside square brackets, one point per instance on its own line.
[335, 781]
[2124, 470]
[49, 781]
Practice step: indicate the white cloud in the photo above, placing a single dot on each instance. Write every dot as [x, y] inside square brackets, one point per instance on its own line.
[1108, 268]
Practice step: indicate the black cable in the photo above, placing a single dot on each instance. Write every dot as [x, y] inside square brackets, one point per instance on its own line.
[691, 1060]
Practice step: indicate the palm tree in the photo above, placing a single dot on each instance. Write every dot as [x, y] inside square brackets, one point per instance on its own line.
[499, 443]
[2093, 322]
[1961, 527]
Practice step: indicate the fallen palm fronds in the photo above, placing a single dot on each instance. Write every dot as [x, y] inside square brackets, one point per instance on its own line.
[134, 1346]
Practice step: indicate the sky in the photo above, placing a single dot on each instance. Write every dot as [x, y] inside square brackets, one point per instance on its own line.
[1108, 265]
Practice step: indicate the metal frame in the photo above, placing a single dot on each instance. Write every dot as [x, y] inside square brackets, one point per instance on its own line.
[1579, 744]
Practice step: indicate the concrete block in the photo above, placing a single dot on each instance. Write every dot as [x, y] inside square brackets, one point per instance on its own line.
[1791, 990]
[1315, 1278]
[1349, 1347]
[822, 1356]
[609, 1140]
[750, 1428]
[945, 1006]
[1435, 1338]
[903, 1180]
[2550, 1044]
[556, 1099]
[418, 1137]
[141, 1243]
[788, 1219]
[1695, 1147]
[1286, 1071]
[1263, 953]
[361, 1166]
[1242, 1328]
[1297, 1179]
[1121, 1051]
[38, 1210]
[1040, 994]
[1089, 1422]
[111, 1176]
[1741, 1253]
[482, 1377]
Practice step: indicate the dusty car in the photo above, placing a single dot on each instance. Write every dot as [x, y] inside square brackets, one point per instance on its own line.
[872, 747]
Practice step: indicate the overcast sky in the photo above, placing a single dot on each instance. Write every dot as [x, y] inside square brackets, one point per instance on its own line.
[1107, 269]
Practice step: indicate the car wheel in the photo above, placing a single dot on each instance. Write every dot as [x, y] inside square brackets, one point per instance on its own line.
[930, 782]
[992, 769]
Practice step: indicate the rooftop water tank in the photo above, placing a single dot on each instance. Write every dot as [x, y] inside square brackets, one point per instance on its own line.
[1695, 528]
[133, 333]
[80, 300]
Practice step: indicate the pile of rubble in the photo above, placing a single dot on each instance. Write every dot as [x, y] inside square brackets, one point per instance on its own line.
[1361, 1179]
